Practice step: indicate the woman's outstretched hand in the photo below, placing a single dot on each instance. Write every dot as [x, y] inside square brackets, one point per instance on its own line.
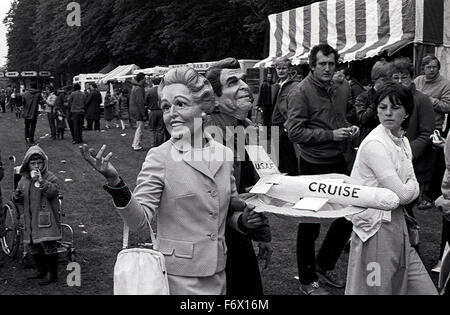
[101, 164]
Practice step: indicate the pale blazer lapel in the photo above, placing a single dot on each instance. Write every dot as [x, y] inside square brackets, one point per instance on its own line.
[199, 162]
[199, 165]
[195, 159]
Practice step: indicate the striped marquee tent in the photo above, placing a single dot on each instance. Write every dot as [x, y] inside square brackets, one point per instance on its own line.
[359, 29]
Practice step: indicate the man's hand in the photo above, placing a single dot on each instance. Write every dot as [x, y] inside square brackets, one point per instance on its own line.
[251, 219]
[265, 252]
[342, 134]
[101, 164]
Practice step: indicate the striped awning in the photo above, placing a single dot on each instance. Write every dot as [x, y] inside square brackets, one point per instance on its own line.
[358, 29]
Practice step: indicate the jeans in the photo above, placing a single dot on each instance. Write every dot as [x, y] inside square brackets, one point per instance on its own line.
[52, 123]
[337, 235]
[138, 135]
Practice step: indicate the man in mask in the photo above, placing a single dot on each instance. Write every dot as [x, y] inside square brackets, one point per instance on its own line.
[234, 101]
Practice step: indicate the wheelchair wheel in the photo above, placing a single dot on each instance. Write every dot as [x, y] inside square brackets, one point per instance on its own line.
[11, 240]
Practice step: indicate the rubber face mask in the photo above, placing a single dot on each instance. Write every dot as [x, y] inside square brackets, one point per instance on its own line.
[236, 99]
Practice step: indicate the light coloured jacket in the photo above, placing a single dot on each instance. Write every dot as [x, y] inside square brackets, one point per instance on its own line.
[438, 90]
[191, 200]
[50, 103]
[367, 223]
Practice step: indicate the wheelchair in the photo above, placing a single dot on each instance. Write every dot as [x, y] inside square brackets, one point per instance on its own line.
[12, 240]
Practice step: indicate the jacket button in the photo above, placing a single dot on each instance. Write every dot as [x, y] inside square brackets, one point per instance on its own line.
[213, 237]
[213, 193]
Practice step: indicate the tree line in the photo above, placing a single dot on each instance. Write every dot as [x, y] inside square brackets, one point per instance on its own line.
[143, 32]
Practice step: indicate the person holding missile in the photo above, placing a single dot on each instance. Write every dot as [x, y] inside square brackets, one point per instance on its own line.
[382, 260]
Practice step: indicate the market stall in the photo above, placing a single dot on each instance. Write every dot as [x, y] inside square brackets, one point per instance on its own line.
[362, 29]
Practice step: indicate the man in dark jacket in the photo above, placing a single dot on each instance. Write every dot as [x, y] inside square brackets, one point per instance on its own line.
[266, 100]
[366, 111]
[316, 120]
[76, 103]
[93, 102]
[420, 126]
[137, 109]
[155, 120]
[234, 102]
[287, 160]
[32, 99]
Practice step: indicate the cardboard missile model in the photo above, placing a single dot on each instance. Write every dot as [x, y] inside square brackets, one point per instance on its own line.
[314, 196]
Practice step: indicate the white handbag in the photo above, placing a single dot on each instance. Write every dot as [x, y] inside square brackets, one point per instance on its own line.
[140, 271]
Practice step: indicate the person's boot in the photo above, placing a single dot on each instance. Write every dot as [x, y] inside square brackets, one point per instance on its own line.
[41, 266]
[52, 273]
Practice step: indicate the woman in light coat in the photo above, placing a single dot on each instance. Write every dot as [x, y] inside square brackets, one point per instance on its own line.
[382, 261]
[188, 182]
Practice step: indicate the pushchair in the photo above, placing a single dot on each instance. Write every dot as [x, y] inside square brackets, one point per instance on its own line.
[12, 240]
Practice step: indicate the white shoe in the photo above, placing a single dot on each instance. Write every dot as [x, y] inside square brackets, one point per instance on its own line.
[437, 268]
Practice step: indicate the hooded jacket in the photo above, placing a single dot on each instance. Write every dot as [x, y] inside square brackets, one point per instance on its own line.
[32, 98]
[40, 205]
[137, 101]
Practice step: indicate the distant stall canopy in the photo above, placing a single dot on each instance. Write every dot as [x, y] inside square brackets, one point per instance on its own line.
[120, 71]
[359, 29]
[154, 71]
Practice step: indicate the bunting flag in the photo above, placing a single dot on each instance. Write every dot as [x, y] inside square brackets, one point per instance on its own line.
[358, 29]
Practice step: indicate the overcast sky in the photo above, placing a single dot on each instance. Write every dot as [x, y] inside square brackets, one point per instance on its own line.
[4, 7]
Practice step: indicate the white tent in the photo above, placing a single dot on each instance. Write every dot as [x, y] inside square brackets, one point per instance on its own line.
[154, 71]
[120, 71]
[361, 29]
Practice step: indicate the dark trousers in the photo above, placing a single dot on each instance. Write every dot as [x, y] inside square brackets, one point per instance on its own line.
[77, 120]
[410, 210]
[288, 159]
[336, 238]
[242, 269]
[91, 122]
[47, 248]
[30, 128]
[52, 124]
[70, 123]
[267, 116]
[438, 162]
[3, 105]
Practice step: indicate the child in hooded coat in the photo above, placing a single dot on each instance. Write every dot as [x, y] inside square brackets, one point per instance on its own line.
[38, 192]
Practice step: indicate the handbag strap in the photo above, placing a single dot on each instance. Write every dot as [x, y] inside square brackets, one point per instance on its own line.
[126, 236]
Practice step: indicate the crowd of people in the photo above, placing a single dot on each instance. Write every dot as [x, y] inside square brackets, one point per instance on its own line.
[390, 134]
[381, 135]
[70, 108]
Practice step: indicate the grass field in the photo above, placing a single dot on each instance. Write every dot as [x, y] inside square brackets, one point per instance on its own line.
[98, 242]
